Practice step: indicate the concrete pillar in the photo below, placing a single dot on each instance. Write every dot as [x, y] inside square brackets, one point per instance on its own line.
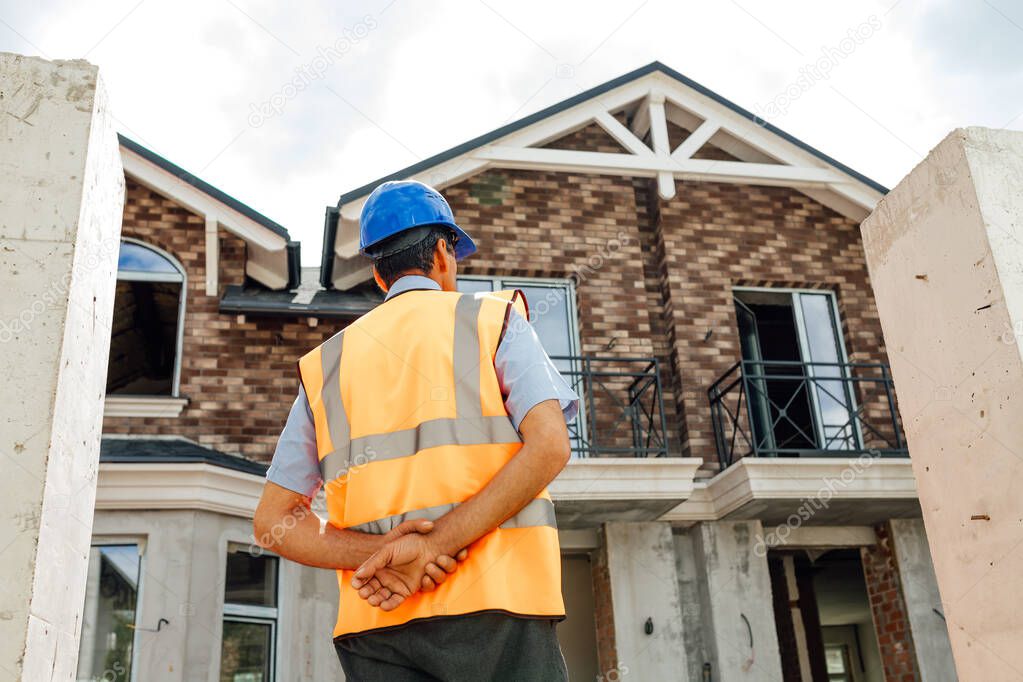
[923, 602]
[945, 250]
[61, 197]
[644, 589]
[739, 632]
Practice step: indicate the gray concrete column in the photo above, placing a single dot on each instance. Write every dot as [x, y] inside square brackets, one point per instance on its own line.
[923, 602]
[61, 198]
[945, 251]
[644, 588]
[732, 578]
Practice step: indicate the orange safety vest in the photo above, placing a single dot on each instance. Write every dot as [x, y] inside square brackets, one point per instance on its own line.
[410, 422]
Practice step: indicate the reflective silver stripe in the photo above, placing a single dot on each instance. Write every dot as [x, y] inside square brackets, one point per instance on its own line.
[468, 403]
[539, 512]
[407, 442]
[337, 420]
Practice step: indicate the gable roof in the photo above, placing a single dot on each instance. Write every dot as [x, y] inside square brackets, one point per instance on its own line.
[653, 70]
[203, 186]
[272, 257]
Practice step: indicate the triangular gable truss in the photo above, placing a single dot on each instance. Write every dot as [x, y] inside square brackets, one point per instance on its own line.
[271, 259]
[647, 102]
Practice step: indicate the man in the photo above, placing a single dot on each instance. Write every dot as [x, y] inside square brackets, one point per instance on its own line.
[435, 423]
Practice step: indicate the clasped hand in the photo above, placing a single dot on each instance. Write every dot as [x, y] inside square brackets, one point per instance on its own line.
[407, 563]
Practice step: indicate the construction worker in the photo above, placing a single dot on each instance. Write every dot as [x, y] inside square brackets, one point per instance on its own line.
[434, 423]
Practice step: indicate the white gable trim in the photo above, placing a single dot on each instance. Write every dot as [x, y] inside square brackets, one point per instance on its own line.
[654, 99]
[268, 260]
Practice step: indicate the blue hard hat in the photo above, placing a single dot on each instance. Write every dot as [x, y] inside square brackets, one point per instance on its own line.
[402, 205]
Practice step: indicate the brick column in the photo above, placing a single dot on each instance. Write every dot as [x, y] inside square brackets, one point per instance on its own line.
[888, 605]
[603, 616]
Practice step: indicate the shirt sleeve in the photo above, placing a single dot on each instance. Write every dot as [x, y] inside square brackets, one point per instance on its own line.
[296, 464]
[526, 374]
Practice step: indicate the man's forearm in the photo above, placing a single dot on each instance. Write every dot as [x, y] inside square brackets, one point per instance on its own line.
[301, 537]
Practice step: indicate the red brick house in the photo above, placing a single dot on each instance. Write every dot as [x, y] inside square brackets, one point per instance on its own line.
[741, 504]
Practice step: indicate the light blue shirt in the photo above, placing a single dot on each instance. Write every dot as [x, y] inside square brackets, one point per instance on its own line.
[525, 374]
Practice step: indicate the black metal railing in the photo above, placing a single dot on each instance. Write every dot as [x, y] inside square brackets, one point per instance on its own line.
[622, 409]
[804, 409]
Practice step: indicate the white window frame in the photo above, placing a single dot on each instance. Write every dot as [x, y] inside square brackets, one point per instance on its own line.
[797, 311]
[140, 544]
[502, 283]
[247, 613]
[155, 406]
[499, 283]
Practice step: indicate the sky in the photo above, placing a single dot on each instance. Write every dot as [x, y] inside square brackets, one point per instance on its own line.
[286, 106]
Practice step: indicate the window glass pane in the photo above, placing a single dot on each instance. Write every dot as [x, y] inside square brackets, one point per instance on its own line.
[109, 616]
[472, 286]
[144, 338]
[251, 580]
[246, 651]
[823, 347]
[549, 315]
[135, 258]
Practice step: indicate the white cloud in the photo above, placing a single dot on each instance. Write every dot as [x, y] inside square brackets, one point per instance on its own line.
[184, 77]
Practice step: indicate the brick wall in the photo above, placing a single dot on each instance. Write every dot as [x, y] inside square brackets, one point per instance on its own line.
[653, 279]
[713, 237]
[239, 377]
[888, 605]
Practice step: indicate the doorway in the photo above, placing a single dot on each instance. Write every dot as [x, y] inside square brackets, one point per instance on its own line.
[823, 617]
[795, 364]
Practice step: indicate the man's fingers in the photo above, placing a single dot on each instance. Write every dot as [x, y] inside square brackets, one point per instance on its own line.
[370, 567]
[369, 588]
[411, 526]
[427, 584]
[436, 573]
[392, 603]
[447, 563]
[463, 554]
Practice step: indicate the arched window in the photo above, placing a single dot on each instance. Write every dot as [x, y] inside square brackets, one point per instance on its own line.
[145, 343]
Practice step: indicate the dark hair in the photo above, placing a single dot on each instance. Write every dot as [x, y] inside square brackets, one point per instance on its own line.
[415, 256]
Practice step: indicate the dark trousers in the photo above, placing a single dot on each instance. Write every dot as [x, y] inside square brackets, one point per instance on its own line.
[478, 647]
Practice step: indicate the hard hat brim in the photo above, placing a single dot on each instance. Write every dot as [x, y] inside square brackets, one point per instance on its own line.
[465, 246]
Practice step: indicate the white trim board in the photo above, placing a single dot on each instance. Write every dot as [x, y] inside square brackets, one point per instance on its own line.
[652, 100]
[754, 480]
[269, 248]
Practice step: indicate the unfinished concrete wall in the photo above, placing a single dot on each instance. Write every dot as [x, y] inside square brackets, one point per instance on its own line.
[61, 195]
[946, 259]
[183, 568]
[923, 601]
[644, 588]
[737, 614]
[690, 580]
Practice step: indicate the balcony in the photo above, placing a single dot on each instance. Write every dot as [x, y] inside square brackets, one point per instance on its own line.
[805, 409]
[619, 470]
[622, 408]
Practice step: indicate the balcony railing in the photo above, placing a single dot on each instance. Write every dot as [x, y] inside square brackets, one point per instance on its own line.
[622, 408]
[804, 409]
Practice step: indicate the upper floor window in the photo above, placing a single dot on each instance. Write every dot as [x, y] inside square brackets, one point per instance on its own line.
[146, 334]
[551, 310]
[800, 395]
